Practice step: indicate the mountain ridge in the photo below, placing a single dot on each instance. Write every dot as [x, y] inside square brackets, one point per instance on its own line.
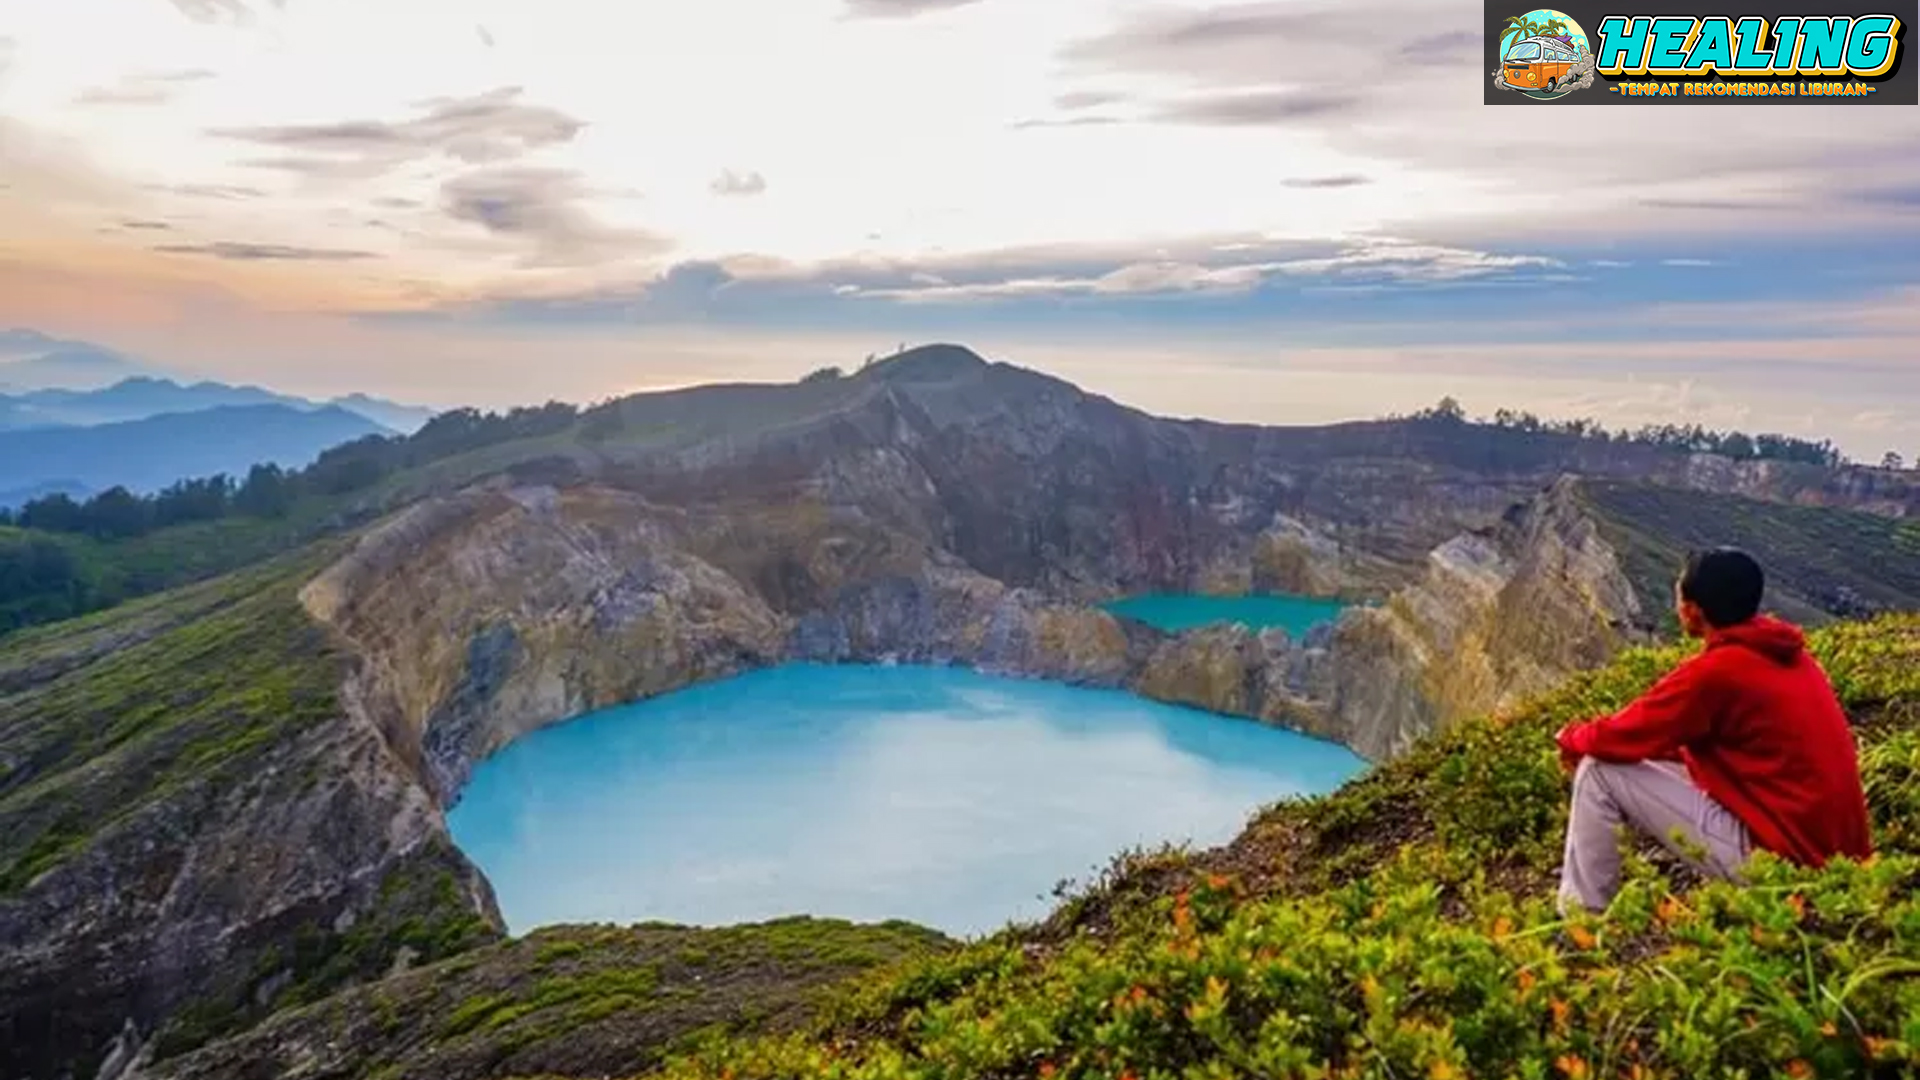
[141, 396]
[146, 455]
[31, 360]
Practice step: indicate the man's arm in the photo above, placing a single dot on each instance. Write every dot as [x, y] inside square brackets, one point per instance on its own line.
[1678, 710]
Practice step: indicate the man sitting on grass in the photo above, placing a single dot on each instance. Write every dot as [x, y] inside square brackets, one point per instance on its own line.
[1743, 746]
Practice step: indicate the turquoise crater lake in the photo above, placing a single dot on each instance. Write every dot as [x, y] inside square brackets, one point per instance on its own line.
[1174, 612]
[938, 795]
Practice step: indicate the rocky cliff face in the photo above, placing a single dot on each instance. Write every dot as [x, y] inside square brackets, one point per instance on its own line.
[496, 612]
[197, 826]
[1501, 615]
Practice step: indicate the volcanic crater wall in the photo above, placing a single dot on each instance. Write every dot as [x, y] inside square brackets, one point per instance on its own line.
[488, 614]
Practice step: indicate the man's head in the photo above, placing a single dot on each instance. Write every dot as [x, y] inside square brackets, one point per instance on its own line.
[1718, 589]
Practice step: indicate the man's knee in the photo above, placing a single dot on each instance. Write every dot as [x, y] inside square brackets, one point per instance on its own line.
[1591, 781]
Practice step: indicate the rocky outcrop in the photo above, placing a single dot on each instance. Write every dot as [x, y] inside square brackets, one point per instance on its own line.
[247, 838]
[486, 616]
[1501, 615]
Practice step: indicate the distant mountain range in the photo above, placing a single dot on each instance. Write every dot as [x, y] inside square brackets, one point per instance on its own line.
[143, 396]
[150, 453]
[52, 382]
[31, 360]
[78, 418]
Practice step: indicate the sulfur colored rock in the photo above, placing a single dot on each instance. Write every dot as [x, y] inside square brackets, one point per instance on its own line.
[1500, 615]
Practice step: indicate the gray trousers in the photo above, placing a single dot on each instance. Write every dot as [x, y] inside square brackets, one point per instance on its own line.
[1657, 798]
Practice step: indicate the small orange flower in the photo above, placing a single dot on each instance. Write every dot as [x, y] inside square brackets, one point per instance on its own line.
[1573, 1066]
[1799, 906]
[1829, 1030]
[1876, 1047]
[1582, 937]
[1217, 881]
[1671, 909]
[1561, 1010]
[1759, 936]
[1046, 1070]
[1441, 1070]
[1526, 980]
[1138, 994]
[1799, 1069]
[1502, 926]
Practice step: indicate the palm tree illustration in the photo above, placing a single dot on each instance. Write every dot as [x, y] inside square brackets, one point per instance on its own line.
[1522, 27]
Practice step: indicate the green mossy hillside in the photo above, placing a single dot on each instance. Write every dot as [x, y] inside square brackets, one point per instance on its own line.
[103, 715]
[49, 576]
[1404, 928]
[1821, 561]
[567, 1000]
[141, 747]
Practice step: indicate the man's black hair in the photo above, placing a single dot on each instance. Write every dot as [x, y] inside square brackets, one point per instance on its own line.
[1726, 583]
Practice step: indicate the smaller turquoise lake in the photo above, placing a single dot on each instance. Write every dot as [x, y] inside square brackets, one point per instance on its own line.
[939, 795]
[1174, 612]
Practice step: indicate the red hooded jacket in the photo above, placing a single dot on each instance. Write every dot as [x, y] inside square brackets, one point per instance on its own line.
[1760, 730]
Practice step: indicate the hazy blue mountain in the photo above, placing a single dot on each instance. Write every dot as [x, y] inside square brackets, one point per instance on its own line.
[143, 396]
[16, 415]
[30, 360]
[130, 399]
[405, 419]
[148, 454]
[53, 382]
[13, 497]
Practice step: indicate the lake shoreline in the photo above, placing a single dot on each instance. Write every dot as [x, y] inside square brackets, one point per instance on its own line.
[942, 795]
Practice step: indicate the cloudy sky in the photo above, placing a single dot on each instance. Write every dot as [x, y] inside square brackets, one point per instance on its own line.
[1283, 211]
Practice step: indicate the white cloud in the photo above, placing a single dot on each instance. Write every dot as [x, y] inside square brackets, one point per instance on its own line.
[884, 135]
[1400, 81]
[1361, 262]
[733, 183]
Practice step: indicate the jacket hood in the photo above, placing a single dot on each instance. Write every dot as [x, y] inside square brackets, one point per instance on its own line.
[1775, 639]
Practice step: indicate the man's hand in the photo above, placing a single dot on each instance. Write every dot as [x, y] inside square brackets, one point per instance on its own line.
[1569, 761]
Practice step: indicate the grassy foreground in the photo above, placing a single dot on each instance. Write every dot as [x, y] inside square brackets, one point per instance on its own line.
[1403, 928]
[565, 1000]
